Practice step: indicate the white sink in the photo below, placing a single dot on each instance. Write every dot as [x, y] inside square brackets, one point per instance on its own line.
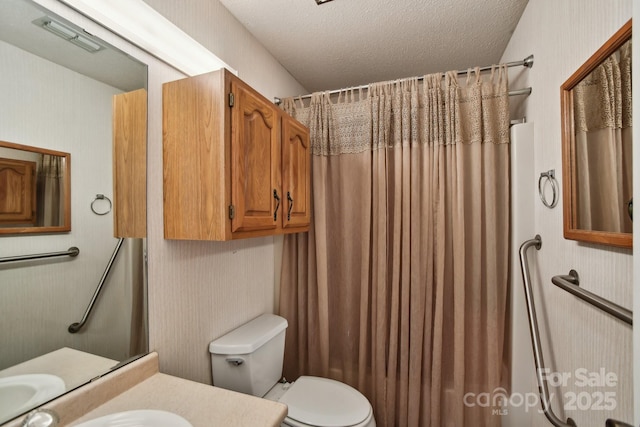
[138, 418]
[20, 393]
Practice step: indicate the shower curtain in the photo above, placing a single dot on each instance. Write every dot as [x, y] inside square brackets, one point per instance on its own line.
[50, 191]
[400, 287]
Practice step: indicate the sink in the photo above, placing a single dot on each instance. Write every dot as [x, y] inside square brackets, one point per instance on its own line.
[20, 393]
[138, 418]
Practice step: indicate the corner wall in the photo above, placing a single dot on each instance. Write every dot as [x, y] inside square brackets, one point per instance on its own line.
[200, 290]
[562, 36]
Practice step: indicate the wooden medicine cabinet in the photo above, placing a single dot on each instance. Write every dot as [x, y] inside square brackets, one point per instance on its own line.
[235, 165]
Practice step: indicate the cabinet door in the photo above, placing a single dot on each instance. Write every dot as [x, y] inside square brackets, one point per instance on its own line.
[296, 173]
[255, 194]
[130, 164]
[17, 192]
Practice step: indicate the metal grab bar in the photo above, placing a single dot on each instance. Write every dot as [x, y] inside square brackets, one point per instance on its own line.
[616, 423]
[571, 284]
[72, 252]
[75, 327]
[535, 337]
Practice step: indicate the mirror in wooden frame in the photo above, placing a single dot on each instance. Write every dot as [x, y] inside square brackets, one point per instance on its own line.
[596, 146]
[35, 190]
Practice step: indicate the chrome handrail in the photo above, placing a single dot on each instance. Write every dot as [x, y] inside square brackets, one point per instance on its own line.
[72, 252]
[535, 337]
[571, 284]
[75, 327]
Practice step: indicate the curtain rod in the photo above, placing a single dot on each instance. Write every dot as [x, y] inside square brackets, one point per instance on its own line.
[526, 62]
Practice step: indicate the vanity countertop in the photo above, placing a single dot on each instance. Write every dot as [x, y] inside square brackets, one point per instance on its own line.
[73, 366]
[140, 385]
[202, 405]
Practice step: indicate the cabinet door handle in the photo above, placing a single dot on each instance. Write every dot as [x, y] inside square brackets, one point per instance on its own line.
[275, 196]
[290, 199]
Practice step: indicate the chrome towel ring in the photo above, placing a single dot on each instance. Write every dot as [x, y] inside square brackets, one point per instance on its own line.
[550, 176]
[101, 197]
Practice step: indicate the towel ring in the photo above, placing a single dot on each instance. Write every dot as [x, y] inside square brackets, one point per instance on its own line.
[101, 197]
[550, 176]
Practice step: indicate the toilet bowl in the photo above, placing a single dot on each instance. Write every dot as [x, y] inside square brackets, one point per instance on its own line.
[315, 401]
[249, 360]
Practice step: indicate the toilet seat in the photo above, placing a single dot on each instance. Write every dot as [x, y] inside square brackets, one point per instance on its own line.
[321, 402]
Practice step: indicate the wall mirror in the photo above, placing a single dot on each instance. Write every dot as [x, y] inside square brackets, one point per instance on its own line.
[57, 93]
[597, 146]
[34, 190]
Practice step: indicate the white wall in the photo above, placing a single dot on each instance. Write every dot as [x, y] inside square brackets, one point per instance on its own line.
[562, 35]
[211, 24]
[48, 106]
[522, 229]
[200, 290]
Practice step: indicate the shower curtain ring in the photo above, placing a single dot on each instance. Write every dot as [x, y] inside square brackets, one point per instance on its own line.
[550, 176]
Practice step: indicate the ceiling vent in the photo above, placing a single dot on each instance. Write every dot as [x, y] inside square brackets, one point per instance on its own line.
[69, 34]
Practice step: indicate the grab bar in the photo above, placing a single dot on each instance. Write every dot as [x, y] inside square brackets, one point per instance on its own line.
[535, 337]
[571, 284]
[72, 252]
[75, 327]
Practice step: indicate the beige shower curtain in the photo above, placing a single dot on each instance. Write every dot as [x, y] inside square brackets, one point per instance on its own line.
[50, 191]
[400, 287]
[603, 132]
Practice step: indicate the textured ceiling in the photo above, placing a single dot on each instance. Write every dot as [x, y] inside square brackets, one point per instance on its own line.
[347, 43]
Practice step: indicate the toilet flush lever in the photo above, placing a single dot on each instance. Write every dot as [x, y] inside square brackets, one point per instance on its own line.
[235, 361]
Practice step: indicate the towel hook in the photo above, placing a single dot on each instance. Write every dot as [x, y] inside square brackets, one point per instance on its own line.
[550, 176]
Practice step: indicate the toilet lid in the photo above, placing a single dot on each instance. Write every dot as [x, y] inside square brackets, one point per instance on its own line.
[325, 403]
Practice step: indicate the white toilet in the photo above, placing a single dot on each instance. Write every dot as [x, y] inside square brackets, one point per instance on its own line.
[249, 360]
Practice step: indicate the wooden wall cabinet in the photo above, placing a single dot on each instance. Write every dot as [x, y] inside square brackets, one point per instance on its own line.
[130, 164]
[235, 165]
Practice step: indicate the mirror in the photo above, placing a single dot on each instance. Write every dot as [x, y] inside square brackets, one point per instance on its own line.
[57, 91]
[34, 190]
[597, 146]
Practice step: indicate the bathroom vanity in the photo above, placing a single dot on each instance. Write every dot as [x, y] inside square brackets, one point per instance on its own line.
[139, 385]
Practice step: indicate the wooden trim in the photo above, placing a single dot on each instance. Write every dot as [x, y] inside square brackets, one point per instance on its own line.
[38, 150]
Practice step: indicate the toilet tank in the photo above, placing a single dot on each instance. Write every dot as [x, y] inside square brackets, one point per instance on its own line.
[249, 359]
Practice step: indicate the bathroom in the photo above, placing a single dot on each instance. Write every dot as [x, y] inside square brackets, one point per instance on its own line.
[201, 290]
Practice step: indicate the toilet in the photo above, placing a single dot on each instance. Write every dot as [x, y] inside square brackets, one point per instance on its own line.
[249, 360]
